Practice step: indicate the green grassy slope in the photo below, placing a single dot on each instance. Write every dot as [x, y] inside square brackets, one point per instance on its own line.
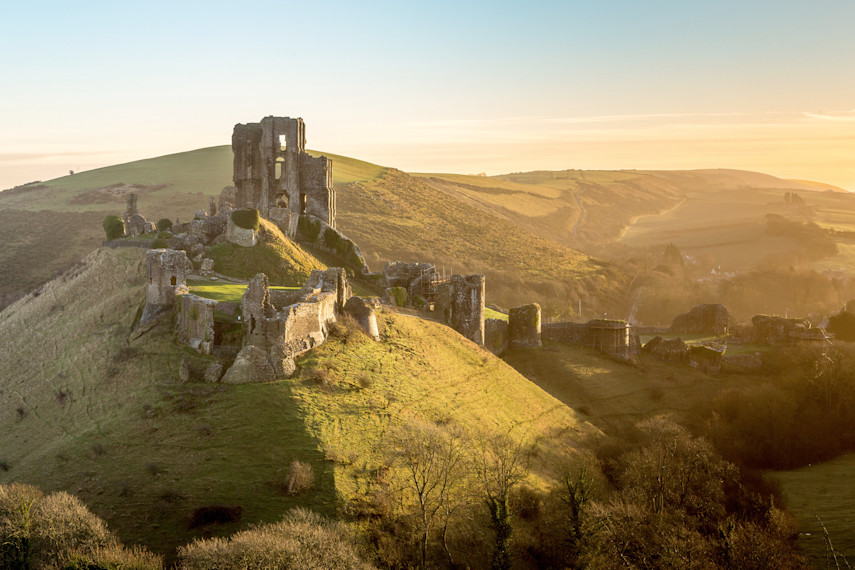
[423, 371]
[614, 394]
[283, 261]
[47, 227]
[826, 490]
[90, 407]
[391, 215]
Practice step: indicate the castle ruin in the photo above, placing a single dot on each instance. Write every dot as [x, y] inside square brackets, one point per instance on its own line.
[274, 174]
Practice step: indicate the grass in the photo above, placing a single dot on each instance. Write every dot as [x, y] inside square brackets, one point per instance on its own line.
[283, 261]
[827, 490]
[221, 291]
[144, 450]
[612, 393]
[401, 217]
[491, 314]
[422, 370]
[137, 446]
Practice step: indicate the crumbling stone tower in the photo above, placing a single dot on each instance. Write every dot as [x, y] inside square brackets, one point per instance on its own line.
[166, 271]
[273, 170]
[467, 306]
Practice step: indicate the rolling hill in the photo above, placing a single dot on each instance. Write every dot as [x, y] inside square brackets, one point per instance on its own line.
[97, 408]
[523, 230]
[391, 215]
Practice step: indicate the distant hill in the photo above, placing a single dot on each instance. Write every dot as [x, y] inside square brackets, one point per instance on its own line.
[93, 408]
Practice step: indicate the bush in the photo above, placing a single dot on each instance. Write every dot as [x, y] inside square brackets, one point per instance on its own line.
[301, 477]
[114, 557]
[399, 295]
[303, 540]
[309, 227]
[247, 219]
[163, 224]
[37, 530]
[160, 243]
[114, 227]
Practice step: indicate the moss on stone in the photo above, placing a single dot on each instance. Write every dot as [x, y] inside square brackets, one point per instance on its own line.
[247, 219]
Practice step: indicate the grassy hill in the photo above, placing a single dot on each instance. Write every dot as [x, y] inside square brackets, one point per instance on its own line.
[92, 407]
[520, 229]
[391, 215]
[716, 212]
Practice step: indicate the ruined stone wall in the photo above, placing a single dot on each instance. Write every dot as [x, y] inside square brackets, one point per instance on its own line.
[317, 185]
[496, 335]
[611, 337]
[195, 324]
[275, 334]
[467, 306]
[166, 271]
[524, 327]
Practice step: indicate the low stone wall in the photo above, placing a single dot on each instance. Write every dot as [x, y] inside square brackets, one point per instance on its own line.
[114, 243]
[571, 333]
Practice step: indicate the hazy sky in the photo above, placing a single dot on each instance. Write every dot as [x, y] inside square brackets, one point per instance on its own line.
[437, 86]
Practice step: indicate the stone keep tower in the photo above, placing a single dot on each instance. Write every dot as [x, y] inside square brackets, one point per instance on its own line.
[273, 170]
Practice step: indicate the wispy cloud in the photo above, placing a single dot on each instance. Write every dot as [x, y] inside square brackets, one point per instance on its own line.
[842, 116]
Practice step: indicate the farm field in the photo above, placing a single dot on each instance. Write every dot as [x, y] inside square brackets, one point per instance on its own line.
[826, 490]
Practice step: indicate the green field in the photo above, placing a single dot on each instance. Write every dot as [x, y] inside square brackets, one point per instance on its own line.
[826, 490]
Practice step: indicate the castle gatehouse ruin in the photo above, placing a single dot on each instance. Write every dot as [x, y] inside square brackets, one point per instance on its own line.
[274, 174]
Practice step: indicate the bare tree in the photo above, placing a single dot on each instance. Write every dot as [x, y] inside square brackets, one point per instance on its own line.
[432, 460]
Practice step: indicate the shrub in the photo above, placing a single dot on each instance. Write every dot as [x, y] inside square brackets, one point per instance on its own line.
[301, 477]
[303, 540]
[365, 379]
[399, 295]
[4, 465]
[163, 224]
[114, 227]
[114, 557]
[36, 531]
[309, 227]
[321, 377]
[160, 243]
[247, 219]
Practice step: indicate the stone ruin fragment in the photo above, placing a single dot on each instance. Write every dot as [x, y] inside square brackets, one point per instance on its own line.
[135, 224]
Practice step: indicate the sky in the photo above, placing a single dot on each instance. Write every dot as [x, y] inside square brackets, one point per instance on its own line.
[462, 86]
